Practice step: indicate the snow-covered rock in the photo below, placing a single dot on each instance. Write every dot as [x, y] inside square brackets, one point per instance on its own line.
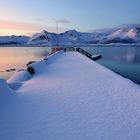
[19, 76]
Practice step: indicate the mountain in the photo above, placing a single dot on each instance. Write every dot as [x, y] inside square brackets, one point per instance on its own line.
[43, 38]
[13, 40]
[70, 37]
[126, 34]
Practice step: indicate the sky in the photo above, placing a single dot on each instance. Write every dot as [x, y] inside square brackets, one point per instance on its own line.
[26, 17]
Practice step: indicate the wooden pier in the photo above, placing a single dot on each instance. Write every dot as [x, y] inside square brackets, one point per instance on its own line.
[80, 50]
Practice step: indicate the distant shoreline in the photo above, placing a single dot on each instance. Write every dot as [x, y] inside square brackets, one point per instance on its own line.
[74, 45]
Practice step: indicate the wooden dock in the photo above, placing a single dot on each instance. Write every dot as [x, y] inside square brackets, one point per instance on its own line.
[82, 51]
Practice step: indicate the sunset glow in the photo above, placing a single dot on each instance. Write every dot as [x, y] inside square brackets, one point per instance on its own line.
[10, 27]
[28, 17]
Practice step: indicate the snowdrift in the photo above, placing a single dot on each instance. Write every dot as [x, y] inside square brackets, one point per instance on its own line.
[70, 98]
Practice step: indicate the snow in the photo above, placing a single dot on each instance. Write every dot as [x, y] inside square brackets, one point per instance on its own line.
[43, 38]
[70, 97]
[132, 33]
[13, 40]
[19, 76]
[4, 89]
[125, 34]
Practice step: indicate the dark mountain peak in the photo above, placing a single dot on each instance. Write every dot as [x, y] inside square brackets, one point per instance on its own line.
[44, 32]
[71, 31]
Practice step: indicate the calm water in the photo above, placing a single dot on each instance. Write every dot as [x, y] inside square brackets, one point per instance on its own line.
[15, 57]
[123, 60]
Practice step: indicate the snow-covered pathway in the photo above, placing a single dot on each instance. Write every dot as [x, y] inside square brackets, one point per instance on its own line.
[71, 98]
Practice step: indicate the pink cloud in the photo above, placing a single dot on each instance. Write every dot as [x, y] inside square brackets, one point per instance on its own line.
[65, 21]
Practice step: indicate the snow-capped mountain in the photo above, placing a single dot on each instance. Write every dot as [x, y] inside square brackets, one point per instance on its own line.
[125, 34]
[43, 38]
[13, 40]
[128, 34]
[67, 38]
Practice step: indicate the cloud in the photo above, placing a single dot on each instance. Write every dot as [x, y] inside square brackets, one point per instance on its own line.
[64, 21]
[59, 20]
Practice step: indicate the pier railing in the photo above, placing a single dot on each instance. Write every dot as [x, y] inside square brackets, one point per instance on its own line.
[80, 50]
[69, 49]
[31, 70]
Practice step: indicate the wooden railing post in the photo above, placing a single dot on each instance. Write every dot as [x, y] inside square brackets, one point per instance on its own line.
[80, 50]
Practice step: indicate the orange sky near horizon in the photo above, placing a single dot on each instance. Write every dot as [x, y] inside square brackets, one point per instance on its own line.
[26, 17]
[22, 28]
[18, 28]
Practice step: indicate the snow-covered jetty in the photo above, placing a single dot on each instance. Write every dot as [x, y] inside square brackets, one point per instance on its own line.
[69, 97]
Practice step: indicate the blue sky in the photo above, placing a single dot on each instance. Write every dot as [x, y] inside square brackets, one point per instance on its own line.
[30, 16]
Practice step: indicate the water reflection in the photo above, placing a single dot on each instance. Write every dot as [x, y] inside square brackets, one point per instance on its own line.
[121, 54]
[122, 60]
[12, 58]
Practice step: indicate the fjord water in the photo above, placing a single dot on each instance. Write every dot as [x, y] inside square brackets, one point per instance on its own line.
[124, 60]
[18, 57]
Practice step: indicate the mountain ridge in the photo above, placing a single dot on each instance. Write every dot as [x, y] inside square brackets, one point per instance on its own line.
[126, 34]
